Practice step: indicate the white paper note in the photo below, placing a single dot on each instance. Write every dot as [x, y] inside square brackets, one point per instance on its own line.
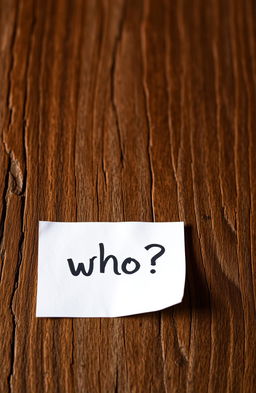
[109, 269]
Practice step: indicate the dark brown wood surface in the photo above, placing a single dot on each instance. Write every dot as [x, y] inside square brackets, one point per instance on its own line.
[131, 111]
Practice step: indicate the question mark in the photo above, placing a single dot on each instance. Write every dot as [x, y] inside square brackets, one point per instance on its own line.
[155, 257]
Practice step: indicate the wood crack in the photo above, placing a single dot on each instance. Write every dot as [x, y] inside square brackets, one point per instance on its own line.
[3, 217]
[148, 120]
[163, 355]
[170, 125]
[72, 345]
[98, 194]
[125, 351]
[112, 84]
[16, 280]
[19, 182]
[78, 86]
[182, 352]
[9, 76]
[116, 381]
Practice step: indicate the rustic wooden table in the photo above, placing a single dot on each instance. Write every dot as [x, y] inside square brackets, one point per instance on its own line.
[131, 110]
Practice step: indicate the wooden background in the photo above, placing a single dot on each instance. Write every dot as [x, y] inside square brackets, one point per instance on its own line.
[131, 110]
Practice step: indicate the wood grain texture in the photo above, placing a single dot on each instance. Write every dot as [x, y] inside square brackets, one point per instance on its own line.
[131, 110]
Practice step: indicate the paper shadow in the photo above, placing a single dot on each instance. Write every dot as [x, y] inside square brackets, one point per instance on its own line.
[196, 292]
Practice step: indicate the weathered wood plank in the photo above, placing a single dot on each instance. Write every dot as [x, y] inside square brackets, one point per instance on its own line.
[139, 110]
